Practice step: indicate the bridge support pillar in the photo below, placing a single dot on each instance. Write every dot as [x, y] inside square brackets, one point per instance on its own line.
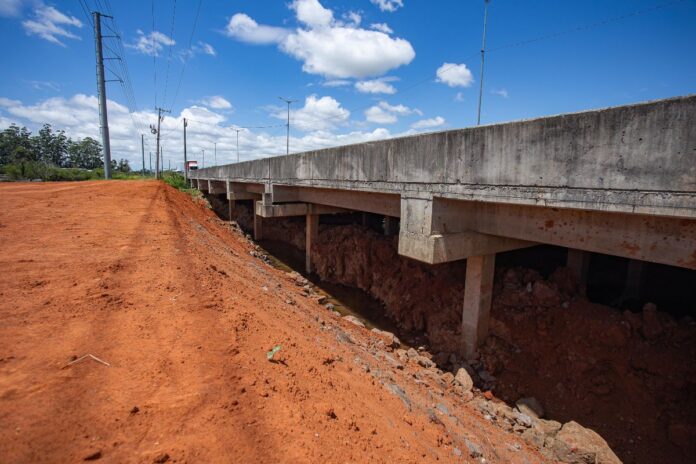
[230, 209]
[578, 261]
[311, 234]
[258, 227]
[635, 277]
[478, 293]
[389, 225]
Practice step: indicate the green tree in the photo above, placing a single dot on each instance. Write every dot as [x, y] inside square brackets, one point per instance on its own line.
[52, 147]
[123, 166]
[85, 154]
[16, 145]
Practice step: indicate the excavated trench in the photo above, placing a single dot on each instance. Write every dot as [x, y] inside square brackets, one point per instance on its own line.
[627, 370]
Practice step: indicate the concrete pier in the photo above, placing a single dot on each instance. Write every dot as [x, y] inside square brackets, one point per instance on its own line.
[618, 181]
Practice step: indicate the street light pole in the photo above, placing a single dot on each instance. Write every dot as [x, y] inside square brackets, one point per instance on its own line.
[237, 130]
[483, 54]
[287, 143]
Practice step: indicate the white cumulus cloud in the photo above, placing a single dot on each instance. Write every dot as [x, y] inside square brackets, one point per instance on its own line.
[312, 13]
[242, 27]
[216, 102]
[318, 113]
[375, 86]
[345, 52]
[428, 123]
[384, 113]
[378, 115]
[382, 27]
[51, 24]
[501, 93]
[454, 75]
[388, 5]
[328, 47]
[79, 117]
[151, 44]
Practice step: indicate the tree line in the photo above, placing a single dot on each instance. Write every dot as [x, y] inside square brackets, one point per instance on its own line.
[52, 148]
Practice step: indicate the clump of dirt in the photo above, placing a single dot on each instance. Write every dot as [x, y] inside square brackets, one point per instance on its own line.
[630, 376]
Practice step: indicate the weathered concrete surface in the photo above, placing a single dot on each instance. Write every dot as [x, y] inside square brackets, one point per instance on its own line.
[633, 159]
[618, 181]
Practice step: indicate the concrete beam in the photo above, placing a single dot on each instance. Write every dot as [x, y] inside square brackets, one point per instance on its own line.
[371, 202]
[436, 249]
[216, 187]
[478, 292]
[311, 233]
[665, 240]
[423, 236]
[294, 209]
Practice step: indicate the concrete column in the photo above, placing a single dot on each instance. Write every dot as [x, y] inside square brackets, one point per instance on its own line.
[311, 234]
[635, 276]
[389, 225]
[258, 227]
[478, 291]
[230, 209]
[578, 261]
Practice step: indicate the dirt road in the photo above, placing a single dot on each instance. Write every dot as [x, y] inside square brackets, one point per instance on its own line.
[140, 276]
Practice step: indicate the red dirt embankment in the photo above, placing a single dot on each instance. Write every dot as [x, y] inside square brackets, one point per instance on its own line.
[629, 376]
[138, 275]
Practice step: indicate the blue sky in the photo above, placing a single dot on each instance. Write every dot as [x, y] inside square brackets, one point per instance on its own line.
[360, 70]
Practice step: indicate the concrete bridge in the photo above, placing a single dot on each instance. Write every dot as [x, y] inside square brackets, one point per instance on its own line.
[618, 181]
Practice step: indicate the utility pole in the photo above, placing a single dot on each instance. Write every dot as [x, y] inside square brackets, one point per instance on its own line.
[483, 54]
[150, 162]
[101, 90]
[287, 143]
[203, 150]
[237, 130]
[215, 152]
[185, 161]
[142, 150]
[160, 118]
[162, 158]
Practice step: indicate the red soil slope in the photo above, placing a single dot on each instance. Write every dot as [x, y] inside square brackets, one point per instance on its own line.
[140, 276]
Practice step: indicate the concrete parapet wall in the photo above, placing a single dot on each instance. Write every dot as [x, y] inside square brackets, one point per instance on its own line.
[635, 159]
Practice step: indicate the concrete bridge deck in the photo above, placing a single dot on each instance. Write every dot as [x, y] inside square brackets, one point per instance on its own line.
[618, 181]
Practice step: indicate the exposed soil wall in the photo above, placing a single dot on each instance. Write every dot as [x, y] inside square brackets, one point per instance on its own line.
[630, 376]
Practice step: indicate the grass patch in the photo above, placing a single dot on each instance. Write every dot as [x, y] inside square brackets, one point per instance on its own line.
[177, 181]
[36, 170]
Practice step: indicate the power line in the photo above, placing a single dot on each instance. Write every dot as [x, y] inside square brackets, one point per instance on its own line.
[154, 51]
[510, 45]
[585, 27]
[483, 55]
[169, 58]
[183, 66]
